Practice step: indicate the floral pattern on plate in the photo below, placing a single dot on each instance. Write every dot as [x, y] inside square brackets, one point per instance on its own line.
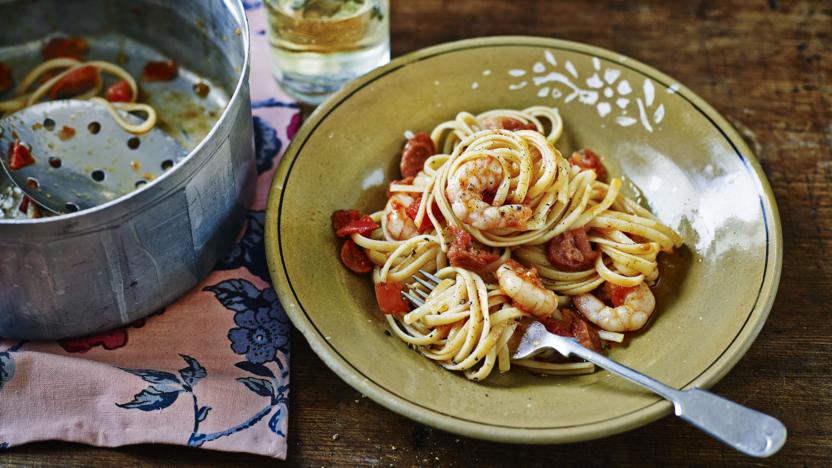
[601, 87]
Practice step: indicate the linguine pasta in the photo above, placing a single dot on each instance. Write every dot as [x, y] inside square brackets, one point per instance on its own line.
[38, 83]
[515, 232]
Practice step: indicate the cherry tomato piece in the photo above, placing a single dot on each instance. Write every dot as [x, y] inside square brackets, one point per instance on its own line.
[119, 92]
[389, 298]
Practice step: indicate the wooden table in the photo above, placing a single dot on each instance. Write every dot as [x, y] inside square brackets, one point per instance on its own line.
[766, 66]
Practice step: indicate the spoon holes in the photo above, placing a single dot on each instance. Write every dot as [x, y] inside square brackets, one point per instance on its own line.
[98, 175]
[32, 183]
[133, 143]
[94, 127]
[167, 164]
[49, 124]
[141, 183]
[71, 207]
[55, 162]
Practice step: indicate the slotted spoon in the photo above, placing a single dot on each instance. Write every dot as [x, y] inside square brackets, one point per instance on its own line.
[83, 158]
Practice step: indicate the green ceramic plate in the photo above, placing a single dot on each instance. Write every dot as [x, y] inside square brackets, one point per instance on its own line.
[692, 169]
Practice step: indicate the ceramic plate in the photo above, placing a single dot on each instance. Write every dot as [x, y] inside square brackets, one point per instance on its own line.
[677, 155]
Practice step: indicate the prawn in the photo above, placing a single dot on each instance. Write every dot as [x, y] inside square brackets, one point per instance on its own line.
[398, 223]
[524, 287]
[466, 187]
[637, 306]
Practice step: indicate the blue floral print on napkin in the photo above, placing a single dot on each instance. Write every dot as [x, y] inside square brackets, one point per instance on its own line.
[7, 370]
[262, 330]
[250, 251]
[267, 145]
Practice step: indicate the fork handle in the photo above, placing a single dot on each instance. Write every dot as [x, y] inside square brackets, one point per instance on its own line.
[749, 431]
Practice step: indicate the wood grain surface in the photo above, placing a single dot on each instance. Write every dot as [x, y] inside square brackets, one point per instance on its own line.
[766, 66]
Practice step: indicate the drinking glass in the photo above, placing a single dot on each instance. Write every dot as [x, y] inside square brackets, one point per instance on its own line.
[318, 45]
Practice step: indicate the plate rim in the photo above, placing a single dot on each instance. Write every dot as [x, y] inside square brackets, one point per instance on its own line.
[564, 434]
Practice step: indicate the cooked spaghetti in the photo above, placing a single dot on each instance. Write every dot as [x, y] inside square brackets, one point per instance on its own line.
[67, 76]
[65, 73]
[515, 232]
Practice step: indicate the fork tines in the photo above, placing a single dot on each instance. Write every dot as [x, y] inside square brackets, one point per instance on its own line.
[431, 282]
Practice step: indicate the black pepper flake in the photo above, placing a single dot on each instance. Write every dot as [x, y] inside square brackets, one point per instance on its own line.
[387, 332]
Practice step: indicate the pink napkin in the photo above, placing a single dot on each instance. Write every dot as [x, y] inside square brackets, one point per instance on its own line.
[210, 371]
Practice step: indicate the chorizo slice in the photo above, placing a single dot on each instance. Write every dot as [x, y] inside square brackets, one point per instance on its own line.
[363, 225]
[582, 330]
[76, 82]
[571, 251]
[165, 70]
[465, 252]
[557, 326]
[354, 258]
[416, 151]
[65, 47]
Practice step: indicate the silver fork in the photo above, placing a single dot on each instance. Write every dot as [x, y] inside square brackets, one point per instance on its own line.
[429, 282]
[746, 430]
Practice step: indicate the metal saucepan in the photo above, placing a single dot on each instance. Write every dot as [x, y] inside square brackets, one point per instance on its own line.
[110, 265]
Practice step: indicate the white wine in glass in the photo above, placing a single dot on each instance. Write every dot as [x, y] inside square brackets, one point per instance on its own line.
[319, 45]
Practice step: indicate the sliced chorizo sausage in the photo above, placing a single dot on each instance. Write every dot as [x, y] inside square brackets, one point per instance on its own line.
[582, 330]
[354, 258]
[65, 47]
[571, 251]
[363, 225]
[416, 151]
[76, 82]
[557, 326]
[465, 252]
[160, 71]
